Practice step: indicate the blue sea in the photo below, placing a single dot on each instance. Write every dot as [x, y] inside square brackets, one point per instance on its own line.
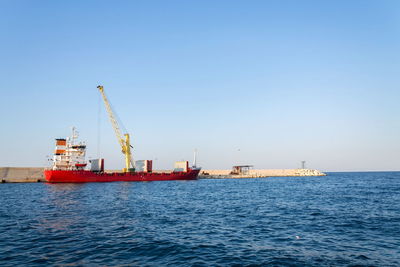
[343, 219]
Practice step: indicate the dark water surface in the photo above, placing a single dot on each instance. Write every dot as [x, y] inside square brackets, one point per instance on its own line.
[339, 220]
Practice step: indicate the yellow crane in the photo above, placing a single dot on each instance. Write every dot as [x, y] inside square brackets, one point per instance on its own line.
[124, 142]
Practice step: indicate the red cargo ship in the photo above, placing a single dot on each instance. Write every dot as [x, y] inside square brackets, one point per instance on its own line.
[83, 176]
[69, 162]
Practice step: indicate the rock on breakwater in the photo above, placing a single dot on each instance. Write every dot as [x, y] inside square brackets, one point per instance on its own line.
[212, 174]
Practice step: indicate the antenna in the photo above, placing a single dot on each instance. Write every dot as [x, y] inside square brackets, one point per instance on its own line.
[303, 164]
[74, 135]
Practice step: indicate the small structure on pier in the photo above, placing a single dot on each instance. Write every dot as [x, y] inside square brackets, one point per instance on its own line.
[241, 169]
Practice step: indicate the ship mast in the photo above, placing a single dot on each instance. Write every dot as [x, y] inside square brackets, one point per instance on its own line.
[194, 158]
[124, 142]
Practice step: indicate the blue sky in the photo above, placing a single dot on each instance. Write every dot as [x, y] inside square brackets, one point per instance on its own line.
[268, 83]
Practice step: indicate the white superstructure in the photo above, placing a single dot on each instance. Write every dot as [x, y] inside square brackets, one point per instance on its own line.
[69, 155]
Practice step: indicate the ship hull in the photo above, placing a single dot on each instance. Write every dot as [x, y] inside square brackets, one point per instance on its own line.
[64, 176]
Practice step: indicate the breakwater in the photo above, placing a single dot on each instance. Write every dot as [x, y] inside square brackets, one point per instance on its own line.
[35, 174]
[21, 174]
[256, 173]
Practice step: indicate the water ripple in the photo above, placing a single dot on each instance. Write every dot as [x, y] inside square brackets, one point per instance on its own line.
[350, 219]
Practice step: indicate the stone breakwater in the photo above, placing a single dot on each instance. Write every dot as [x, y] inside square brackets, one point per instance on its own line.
[21, 175]
[33, 175]
[221, 174]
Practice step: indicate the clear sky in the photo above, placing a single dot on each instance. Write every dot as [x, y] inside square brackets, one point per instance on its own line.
[268, 83]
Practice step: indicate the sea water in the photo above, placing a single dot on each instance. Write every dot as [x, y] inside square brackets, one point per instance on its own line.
[339, 220]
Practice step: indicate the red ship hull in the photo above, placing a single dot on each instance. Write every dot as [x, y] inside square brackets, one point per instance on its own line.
[63, 176]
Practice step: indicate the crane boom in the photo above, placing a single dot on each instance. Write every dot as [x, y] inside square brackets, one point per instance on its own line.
[124, 142]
